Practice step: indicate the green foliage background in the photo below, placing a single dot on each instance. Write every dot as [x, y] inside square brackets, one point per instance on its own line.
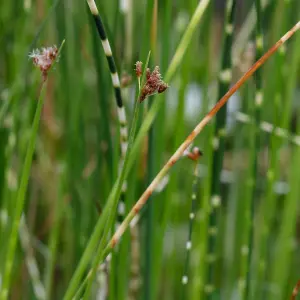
[76, 157]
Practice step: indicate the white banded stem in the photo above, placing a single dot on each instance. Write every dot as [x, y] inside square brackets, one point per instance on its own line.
[116, 84]
[118, 96]
[108, 52]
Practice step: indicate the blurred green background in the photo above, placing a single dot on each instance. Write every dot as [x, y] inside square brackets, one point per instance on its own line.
[249, 174]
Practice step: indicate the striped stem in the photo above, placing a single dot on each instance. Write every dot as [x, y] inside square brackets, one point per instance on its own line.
[185, 276]
[179, 152]
[225, 77]
[112, 202]
[118, 96]
[120, 109]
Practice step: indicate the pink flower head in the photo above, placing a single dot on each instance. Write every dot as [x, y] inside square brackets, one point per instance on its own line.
[138, 68]
[154, 84]
[44, 58]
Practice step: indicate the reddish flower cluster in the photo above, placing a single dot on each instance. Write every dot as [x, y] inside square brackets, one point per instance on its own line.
[154, 84]
[44, 58]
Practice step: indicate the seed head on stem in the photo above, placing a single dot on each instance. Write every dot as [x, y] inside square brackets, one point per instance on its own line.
[138, 69]
[154, 84]
[139, 72]
[44, 59]
[180, 151]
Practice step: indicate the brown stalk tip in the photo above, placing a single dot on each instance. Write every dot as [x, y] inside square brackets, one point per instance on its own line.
[195, 154]
[44, 58]
[295, 291]
[154, 84]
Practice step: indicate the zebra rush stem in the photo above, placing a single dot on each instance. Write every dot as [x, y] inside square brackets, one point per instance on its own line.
[151, 85]
[174, 158]
[120, 107]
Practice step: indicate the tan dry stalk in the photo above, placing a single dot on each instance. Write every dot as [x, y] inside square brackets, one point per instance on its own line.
[175, 157]
[295, 290]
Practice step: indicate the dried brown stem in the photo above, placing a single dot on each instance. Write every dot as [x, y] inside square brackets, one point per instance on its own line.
[296, 290]
[174, 158]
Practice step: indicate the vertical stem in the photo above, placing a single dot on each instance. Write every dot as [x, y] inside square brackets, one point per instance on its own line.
[31, 262]
[277, 112]
[109, 222]
[20, 201]
[225, 76]
[54, 242]
[111, 206]
[149, 290]
[118, 96]
[259, 98]
[149, 234]
[185, 277]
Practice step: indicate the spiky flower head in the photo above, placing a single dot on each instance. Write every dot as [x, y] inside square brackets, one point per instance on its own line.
[44, 58]
[154, 84]
[138, 69]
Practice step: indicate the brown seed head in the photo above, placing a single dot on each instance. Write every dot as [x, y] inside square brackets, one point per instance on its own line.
[154, 84]
[162, 87]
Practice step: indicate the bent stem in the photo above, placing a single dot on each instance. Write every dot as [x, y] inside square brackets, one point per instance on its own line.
[174, 158]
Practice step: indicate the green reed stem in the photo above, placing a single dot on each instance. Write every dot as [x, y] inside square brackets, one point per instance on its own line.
[20, 201]
[252, 182]
[108, 214]
[192, 215]
[111, 217]
[225, 77]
